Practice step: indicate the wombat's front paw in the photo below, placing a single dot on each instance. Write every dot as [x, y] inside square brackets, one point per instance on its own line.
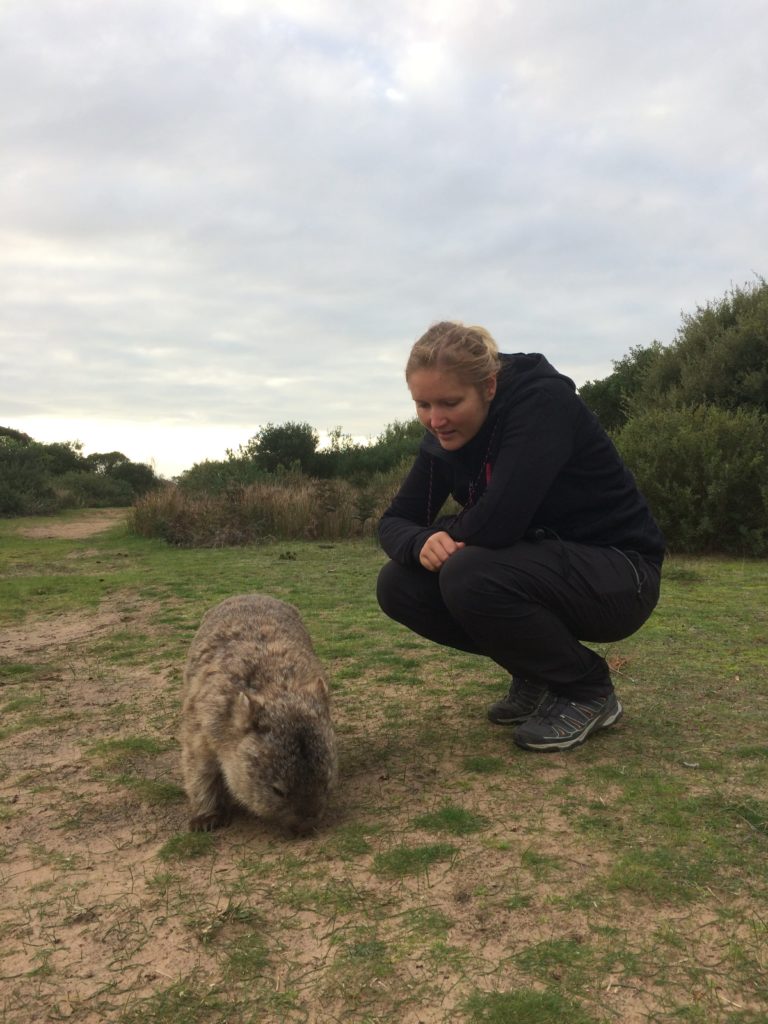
[208, 822]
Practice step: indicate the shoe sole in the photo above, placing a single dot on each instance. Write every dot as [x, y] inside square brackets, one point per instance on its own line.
[569, 744]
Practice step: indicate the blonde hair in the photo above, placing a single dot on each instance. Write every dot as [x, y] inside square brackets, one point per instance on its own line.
[469, 352]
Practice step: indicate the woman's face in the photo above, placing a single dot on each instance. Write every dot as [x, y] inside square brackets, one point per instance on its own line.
[451, 410]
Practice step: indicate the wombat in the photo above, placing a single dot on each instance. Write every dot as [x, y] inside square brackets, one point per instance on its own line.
[257, 728]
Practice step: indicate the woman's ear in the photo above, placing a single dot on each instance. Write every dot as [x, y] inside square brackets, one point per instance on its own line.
[490, 388]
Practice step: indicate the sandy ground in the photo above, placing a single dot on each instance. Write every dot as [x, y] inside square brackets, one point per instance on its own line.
[92, 921]
[96, 521]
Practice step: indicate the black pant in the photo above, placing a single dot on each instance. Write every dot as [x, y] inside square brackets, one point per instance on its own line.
[528, 606]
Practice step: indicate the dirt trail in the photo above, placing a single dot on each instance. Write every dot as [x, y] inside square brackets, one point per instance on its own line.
[94, 521]
[35, 634]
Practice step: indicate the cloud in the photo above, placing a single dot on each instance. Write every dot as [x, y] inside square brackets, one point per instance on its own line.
[199, 201]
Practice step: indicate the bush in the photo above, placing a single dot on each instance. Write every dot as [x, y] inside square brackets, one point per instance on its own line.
[281, 445]
[289, 510]
[719, 357]
[138, 476]
[704, 472]
[25, 488]
[359, 463]
[195, 520]
[289, 506]
[218, 476]
[38, 479]
[609, 398]
[86, 489]
[16, 500]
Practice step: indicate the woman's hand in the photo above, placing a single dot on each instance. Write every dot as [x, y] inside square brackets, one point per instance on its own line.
[438, 549]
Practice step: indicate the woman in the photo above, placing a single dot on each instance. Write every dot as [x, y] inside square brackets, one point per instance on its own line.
[553, 545]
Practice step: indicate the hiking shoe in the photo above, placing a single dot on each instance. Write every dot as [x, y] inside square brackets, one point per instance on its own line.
[523, 700]
[561, 723]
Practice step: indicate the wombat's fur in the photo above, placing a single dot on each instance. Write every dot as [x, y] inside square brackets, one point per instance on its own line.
[256, 722]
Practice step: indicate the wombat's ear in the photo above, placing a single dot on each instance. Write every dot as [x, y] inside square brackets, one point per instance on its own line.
[321, 687]
[248, 713]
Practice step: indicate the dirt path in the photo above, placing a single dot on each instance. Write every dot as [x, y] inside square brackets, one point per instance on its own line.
[95, 520]
[35, 634]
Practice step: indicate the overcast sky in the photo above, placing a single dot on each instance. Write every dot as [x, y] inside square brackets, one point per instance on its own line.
[216, 214]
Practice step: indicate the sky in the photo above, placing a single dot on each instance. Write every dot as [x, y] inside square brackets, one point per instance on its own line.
[218, 214]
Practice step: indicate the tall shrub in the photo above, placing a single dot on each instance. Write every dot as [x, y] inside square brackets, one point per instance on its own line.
[609, 398]
[719, 357]
[288, 507]
[25, 481]
[704, 471]
[219, 476]
[80, 489]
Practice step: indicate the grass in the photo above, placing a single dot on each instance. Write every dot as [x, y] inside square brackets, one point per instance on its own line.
[412, 859]
[458, 879]
[458, 821]
[187, 846]
[526, 1007]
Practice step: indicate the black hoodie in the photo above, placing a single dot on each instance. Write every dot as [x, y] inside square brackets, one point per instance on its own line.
[541, 461]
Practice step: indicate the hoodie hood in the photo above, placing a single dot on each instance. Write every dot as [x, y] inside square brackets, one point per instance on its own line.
[518, 372]
[540, 462]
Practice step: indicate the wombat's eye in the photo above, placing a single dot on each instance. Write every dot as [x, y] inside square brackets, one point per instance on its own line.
[278, 791]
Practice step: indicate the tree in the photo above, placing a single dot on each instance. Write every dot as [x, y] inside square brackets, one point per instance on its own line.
[16, 435]
[106, 462]
[281, 445]
[359, 462]
[719, 357]
[139, 476]
[39, 478]
[25, 487]
[609, 398]
[64, 457]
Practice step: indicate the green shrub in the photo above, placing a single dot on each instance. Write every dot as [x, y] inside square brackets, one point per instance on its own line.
[358, 463]
[38, 479]
[283, 444]
[24, 480]
[85, 489]
[719, 357]
[16, 499]
[214, 476]
[609, 398]
[704, 472]
[139, 476]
